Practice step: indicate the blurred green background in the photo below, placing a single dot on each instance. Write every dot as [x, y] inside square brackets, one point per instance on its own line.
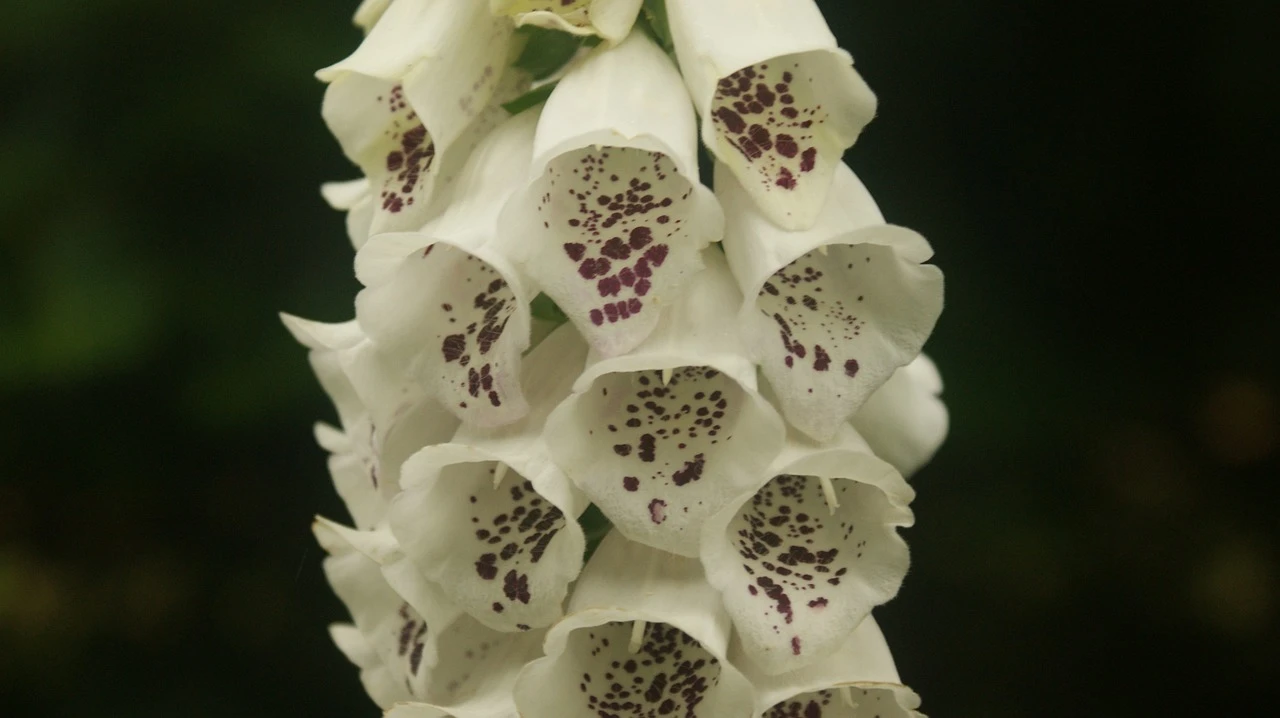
[1097, 537]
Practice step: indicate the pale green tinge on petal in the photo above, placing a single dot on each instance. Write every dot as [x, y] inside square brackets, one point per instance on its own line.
[644, 635]
[665, 436]
[613, 223]
[779, 101]
[859, 681]
[905, 420]
[610, 19]
[803, 560]
[834, 310]
[490, 518]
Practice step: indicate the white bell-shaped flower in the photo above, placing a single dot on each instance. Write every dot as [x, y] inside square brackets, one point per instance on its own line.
[859, 680]
[803, 559]
[436, 655]
[905, 421]
[644, 636]
[489, 517]
[402, 104]
[384, 417]
[665, 436]
[614, 219]
[833, 310]
[447, 299]
[610, 19]
[779, 101]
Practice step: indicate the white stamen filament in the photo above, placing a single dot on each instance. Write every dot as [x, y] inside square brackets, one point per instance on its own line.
[829, 493]
[637, 637]
[499, 473]
[666, 376]
[847, 695]
[822, 250]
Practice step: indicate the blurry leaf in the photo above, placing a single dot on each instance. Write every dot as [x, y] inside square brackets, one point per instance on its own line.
[529, 99]
[546, 51]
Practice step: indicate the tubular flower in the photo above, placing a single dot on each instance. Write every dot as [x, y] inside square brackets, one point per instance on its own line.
[615, 219]
[614, 442]
[779, 101]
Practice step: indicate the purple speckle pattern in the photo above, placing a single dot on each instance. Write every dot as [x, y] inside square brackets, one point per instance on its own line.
[511, 528]
[871, 703]
[767, 117]
[409, 155]
[670, 675]
[817, 318]
[793, 551]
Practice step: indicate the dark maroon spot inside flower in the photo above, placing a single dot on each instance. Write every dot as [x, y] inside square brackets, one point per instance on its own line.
[851, 368]
[575, 251]
[453, 346]
[630, 483]
[821, 361]
[732, 121]
[593, 267]
[486, 568]
[787, 146]
[691, 471]
[808, 159]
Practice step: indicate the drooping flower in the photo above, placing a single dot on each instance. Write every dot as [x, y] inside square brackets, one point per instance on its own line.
[615, 219]
[644, 636]
[489, 517]
[663, 437]
[803, 560]
[411, 643]
[610, 19]
[448, 299]
[402, 104]
[833, 310]
[780, 101]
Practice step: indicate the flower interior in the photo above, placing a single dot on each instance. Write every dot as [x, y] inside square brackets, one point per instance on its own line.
[670, 674]
[662, 452]
[806, 550]
[829, 315]
[770, 129]
[618, 240]
[512, 565]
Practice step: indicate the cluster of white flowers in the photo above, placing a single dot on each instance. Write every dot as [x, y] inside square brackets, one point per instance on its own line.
[681, 498]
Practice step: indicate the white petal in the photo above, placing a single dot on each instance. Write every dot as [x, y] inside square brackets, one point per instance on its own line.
[798, 574]
[830, 327]
[860, 672]
[505, 552]
[779, 101]
[345, 195]
[658, 460]
[905, 421]
[380, 682]
[613, 223]
[610, 19]
[679, 667]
